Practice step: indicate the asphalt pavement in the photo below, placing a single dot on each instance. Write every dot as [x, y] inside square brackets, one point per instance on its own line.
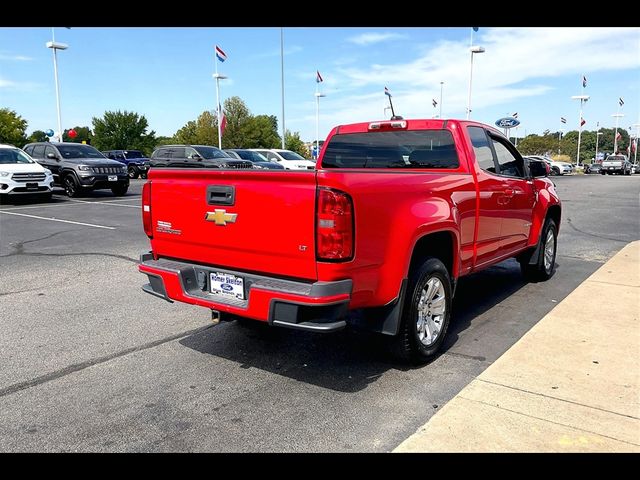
[91, 363]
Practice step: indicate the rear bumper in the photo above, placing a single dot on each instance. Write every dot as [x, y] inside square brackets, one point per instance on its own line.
[313, 306]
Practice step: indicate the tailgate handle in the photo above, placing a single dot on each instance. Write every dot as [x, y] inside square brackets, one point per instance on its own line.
[221, 195]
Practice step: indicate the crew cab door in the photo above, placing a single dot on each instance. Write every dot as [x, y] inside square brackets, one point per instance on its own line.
[516, 198]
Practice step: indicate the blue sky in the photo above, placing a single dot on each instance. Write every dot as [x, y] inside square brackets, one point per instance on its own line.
[166, 74]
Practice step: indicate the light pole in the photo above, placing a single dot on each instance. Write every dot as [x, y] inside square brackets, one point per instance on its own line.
[282, 76]
[615, 135]
[635, 151]
[55, 46]
[318, 95]
[597, 142]
[582, 98]
[218, 77]
[473, 50]
[441, 84]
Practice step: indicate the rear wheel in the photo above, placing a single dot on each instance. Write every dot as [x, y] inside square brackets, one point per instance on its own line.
[544, 268]
[132, 171]
[119, 190]
[426, 312]
[555, 171]
[71, 187]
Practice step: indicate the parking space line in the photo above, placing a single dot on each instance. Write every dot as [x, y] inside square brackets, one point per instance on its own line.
[57, 220]
[110, 202]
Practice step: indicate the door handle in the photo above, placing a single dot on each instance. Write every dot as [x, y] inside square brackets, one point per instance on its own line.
[509, 192]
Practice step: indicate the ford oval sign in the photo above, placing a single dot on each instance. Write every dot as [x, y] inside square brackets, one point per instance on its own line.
[508, 122]
[226, 287]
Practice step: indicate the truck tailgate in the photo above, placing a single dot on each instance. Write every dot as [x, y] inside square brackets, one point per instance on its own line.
[254, 221]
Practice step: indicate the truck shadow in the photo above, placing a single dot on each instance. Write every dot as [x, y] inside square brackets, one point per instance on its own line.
[348, 361]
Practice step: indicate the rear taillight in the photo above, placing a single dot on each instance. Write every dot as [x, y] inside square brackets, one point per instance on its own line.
[146, 209]
[334, 227]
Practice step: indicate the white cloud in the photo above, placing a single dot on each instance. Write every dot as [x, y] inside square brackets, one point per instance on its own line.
[19, 86]
[369, 38]
[518, 63]
[4, 83]
[18, 58]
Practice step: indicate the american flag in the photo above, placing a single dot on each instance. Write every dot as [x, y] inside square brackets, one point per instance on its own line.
[582, 122]
[621, 101]
[563, 120]
[433, 102]
[584, 81]
[318, 77]
[514, 115]
[220, 54]
[386, 91]
[222, 118]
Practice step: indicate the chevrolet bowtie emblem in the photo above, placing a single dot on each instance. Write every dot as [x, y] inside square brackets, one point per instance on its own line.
[221, 217]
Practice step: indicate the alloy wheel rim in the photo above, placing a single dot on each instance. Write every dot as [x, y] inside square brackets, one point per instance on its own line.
[431, 311]
[549, 248]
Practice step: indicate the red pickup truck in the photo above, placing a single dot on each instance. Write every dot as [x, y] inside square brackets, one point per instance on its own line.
[376, 236]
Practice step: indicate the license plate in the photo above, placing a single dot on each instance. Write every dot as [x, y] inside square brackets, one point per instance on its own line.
[32, 186]
[227, 285]
[611, 168]
[113, 178]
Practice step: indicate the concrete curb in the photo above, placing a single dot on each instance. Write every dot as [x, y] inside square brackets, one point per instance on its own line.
[571, 384]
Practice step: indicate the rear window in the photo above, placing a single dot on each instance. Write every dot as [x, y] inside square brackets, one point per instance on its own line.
[392, 149]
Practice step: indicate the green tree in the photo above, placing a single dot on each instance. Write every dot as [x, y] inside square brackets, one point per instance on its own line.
[123, 130]
[202, 131]
[261, 131]
[37, 136]
[237, 116]
[538, 145]
[12, 128]
[293, 142]
[82, 133]
[162, 140]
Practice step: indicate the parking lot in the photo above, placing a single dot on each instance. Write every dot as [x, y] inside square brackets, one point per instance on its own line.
[91, 363]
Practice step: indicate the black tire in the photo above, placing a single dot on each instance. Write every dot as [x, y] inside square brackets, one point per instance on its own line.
[603, 173]
[544, 268]
[120, 190]
[408, 344]
[132, 172]
[71, 187]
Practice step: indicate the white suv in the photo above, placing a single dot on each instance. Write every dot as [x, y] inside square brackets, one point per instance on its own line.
[288, 159]
[20, 174]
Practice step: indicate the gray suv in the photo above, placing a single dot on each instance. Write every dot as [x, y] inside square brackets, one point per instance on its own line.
[79, 168]
[195, 156]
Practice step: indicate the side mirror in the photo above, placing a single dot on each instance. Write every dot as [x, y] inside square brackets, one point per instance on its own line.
[52, 156]
[195, 156]
[538, 169]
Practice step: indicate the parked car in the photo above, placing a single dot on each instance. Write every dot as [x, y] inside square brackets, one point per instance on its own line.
[20, 174]
[194, 156]
[80, 168]
[593, 168]
[137, 164]
[288, 159]
[616, 164]
[557, 168]
[258, 160]
[378, 239]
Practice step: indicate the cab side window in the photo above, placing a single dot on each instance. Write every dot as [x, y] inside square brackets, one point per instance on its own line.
[48, 150]
[509, 162]
[38, 151]
[482, 149]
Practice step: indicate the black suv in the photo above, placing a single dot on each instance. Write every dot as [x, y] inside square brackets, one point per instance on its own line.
[137, 164]
[78, 167]
[194, 156]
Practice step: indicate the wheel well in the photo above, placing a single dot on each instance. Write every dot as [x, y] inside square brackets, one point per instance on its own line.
[554, 214]
[438, 245]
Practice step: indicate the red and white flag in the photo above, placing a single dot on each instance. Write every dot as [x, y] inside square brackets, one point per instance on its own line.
[582, 122]
[220, 54]
[223, 119]
[618, 136]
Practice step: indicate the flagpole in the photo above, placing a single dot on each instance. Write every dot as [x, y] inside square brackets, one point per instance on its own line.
[441, 83]
[317, 118]
[282, 76]
[579, 131]
[615, 135]
[218, 103]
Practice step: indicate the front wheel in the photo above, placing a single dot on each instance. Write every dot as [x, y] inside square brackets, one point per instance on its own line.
[544, 268]
[119, 190]
[132, 172]
[71, 186]
[426, 312]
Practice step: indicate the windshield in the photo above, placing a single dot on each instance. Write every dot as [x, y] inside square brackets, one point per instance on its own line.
[251, 156]
[133, 154]
[13, 155]
[211, 152]
[615, 158]
[392, 149]
[290, 155]
[79, 151]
